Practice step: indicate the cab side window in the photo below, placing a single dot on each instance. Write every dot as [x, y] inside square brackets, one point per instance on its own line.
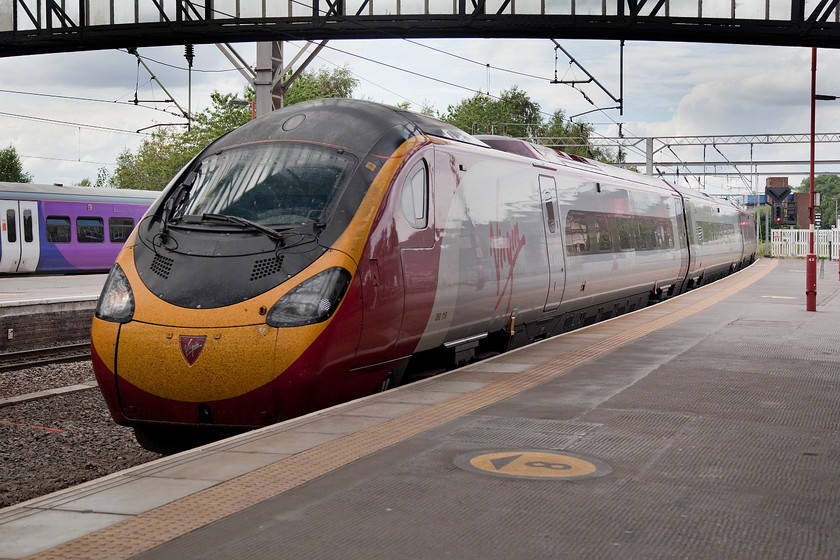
[415, 196]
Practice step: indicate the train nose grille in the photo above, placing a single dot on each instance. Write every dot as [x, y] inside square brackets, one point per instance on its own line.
[266, 267]
[161, 266]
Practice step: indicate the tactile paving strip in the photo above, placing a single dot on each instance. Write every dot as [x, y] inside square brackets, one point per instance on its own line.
[170, 521]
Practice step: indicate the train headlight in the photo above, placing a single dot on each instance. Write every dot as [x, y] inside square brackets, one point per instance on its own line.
[313, 301]
[116, 304]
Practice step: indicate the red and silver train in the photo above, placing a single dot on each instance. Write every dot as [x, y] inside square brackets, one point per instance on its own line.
[337, 247]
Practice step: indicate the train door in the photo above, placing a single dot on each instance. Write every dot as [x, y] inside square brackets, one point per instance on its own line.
[554, 243]
[417, 248]
[682, 243]
[19, 231]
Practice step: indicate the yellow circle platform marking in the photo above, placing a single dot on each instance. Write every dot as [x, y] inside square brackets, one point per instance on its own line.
[532, 464]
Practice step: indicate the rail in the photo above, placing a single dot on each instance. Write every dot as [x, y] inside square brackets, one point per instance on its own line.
[794, 243]
[43, 356]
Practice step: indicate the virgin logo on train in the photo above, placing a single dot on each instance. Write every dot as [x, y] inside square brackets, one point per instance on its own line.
[505, 248]
[191, 347]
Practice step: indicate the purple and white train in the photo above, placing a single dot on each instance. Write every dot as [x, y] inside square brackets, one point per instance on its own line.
[53, 229]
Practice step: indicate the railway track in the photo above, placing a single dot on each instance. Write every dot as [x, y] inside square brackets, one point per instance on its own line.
[55, 432]
[43, 356]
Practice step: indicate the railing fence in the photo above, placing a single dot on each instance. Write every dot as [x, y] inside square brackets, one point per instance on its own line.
[793, 243]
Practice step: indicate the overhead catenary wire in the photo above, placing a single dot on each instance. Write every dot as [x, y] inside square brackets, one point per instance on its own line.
[88, 99]
[68, 123]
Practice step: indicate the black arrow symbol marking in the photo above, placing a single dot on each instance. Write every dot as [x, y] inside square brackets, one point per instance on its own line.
[502, 462]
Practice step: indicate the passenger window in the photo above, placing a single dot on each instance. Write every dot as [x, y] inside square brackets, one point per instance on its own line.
[90, 230]
[576, 234]
[27, 226]
[626, 239]
[415, 196]
[119, 229]
[58, 229]
[11, 223]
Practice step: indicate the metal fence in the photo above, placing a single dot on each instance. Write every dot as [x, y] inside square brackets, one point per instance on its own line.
[793, 243]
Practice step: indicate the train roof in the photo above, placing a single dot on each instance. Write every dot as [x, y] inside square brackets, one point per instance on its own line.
[549, 155]
[347, 123]
[34, 191]
[531, 150]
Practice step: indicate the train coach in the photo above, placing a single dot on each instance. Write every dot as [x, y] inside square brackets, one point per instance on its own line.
[56, 229]
[338, 247]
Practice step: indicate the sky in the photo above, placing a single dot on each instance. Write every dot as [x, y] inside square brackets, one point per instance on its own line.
[70, 114]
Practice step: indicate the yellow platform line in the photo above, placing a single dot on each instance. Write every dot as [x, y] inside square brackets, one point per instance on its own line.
[165, 523]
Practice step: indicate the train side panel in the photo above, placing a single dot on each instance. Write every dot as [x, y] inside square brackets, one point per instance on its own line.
[715, 236]
[621, 240]
[493, 261]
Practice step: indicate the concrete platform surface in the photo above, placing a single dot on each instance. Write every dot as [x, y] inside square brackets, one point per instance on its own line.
[704, 427]
[36, 290]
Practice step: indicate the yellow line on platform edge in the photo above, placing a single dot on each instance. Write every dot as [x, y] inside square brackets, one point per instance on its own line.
[160, 525]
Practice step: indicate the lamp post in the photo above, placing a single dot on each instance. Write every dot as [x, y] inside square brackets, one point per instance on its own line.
[811, 259]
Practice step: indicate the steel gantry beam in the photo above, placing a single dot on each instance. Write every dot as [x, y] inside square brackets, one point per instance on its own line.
[650, 146]
[42, 26]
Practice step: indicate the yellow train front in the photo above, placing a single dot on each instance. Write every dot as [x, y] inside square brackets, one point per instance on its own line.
[249, 258]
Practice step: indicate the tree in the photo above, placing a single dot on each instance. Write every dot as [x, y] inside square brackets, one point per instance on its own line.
[221, 117]
[829, 187]
[338, 82]
[558, 127]
[515, 114]
[157, 160]
[10, 167]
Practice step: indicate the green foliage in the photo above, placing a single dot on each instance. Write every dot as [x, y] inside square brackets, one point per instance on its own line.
[338, 82]
[515, 114]
[220, 118]
[103, 179]
[829, 187]
[155, 163]
[558, 127]
[10, 167]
